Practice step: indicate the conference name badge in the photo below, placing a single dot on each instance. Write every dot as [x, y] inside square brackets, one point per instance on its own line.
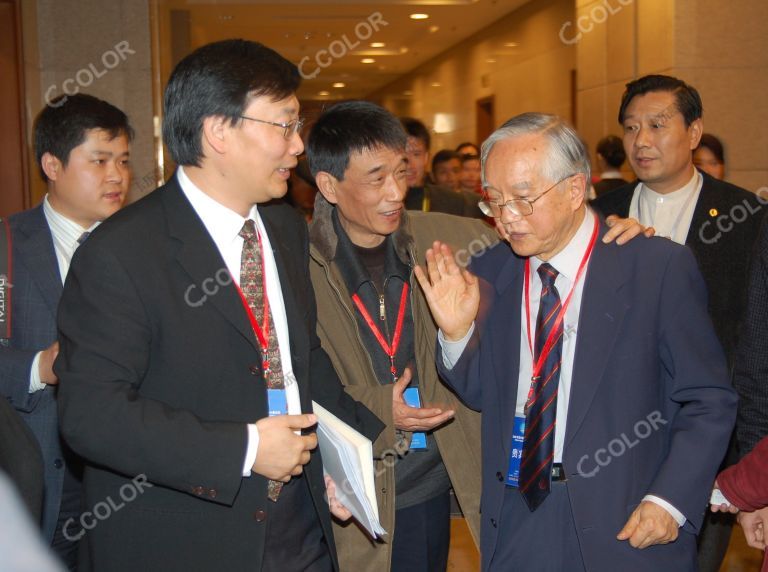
[277, 402]
[412, 399]
[516, 452]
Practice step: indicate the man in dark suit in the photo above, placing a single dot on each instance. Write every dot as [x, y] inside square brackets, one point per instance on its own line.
[662, 121]
[189, 358]
[423, 195]
[82, 151]
[604, 392]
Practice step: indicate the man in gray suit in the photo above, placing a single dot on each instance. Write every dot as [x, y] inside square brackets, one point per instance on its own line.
[82, 150]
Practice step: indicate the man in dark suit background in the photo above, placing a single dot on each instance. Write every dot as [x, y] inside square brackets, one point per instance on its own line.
[82, 151]
[423, 195]
[662, 121]
[189, 319]
[604, 391]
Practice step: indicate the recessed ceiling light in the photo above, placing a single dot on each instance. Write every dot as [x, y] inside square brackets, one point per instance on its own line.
[339, 84]
[436, 84]
[419, 16]
[404, 50]
[378, 44]
[490, 61]
[433, 29]
[367, 61]
[323, 93]
[511, 45]
[408, 92]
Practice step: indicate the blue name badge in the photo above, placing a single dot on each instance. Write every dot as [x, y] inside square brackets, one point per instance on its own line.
[278, 405]
[412, 399]
[516, 452]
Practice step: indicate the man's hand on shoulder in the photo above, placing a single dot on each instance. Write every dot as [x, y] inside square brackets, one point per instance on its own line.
[622, 230]
[649, 524]
[281, 453]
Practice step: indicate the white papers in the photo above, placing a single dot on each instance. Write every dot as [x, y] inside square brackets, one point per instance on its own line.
[348, 459]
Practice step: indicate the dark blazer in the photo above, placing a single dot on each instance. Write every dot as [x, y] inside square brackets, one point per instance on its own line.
[645, 351]
[722, 251]
[36, 292]
[159, 379]
[750, 375]
[20, 459]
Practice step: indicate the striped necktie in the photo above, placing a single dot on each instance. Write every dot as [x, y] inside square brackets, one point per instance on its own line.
[541, 414]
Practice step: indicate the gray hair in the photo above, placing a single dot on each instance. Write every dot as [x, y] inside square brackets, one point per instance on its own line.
[568, 155]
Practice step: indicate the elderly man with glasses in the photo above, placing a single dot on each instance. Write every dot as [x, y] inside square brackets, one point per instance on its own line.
[604, 391]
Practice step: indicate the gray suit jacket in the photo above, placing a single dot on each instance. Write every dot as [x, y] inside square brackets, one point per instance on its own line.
[35, 296]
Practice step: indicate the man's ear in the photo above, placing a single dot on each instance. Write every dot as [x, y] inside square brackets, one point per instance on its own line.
[327, 185]
[51, 165]
[215, 129]
[695, 131]
[577, 189]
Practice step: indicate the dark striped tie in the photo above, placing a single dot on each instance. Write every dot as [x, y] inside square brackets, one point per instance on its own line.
[541, 414]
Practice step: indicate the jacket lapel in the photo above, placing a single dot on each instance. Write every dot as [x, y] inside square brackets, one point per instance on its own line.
[33, 244]
[505, 343]
[601, 315]
[199, 257]
[708, 200]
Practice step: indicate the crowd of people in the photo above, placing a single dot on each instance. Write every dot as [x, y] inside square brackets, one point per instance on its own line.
[579, 378]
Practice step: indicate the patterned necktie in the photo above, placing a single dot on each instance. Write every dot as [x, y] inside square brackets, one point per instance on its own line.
[252, 285]
[539, 441]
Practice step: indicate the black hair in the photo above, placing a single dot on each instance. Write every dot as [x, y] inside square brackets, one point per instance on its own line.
[713, 144]
[64, 123]
[468, 157]
[415, 128]
[220, 79]
[351, 127]
[468, 144]
[443, 156]
[687, 99]
[611, 148]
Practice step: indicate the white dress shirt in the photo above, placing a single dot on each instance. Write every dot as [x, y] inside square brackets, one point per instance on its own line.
[65, 234]
[224, 226]
[566, 262]
[671, 213]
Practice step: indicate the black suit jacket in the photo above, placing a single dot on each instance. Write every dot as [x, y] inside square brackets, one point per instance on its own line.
[160, 378]
[724, 227]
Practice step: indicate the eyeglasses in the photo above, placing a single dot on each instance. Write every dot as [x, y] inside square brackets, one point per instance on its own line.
[517, 207]
[289, 129]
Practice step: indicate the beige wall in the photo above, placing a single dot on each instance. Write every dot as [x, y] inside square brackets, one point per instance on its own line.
[68, 41]
[718, 47]
[534, 76]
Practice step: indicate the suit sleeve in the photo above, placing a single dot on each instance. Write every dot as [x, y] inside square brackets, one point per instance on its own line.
[746, 483]
[326, 387]
[702, 406]
[15, 368]
[105, 350]
[751, 364]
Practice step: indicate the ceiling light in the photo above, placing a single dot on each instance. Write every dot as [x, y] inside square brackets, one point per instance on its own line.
[339, 84]
[378, 44]
[433, 29]
[490, 61]
[419, 16]
[408, 92]
[436, 84]
[511, 45]
[323, 93]
[367, 61]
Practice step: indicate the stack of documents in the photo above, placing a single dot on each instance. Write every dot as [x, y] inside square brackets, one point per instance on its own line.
[348, 459]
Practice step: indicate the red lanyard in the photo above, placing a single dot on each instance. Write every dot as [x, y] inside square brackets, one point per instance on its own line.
[262, 332]
[391, 351]
[539, 364]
